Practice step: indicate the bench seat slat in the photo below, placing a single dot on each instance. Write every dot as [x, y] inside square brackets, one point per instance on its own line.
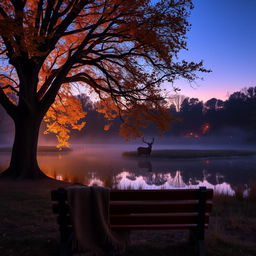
[147, 219]
[172, 194]
[125, 207]
[155, 227]
[157, 202]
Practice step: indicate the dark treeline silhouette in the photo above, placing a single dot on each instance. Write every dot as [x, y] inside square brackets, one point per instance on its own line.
[215, 115]
[196, 118]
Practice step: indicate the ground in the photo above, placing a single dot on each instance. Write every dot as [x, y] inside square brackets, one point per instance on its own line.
[28, 227]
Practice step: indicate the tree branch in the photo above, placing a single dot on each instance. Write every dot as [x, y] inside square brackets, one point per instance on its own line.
[7, 104]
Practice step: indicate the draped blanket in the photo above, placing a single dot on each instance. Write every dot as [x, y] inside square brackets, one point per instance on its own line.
[89, 208]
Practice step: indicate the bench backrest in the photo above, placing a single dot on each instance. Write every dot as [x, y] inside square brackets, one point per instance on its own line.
[148, 209]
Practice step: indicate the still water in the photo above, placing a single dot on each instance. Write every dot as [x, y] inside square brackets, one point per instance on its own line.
[104, 165]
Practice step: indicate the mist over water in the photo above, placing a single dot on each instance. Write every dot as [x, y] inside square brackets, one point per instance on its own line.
[104, 165]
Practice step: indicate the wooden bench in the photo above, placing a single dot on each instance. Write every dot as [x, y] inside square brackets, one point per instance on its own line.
[149, 209]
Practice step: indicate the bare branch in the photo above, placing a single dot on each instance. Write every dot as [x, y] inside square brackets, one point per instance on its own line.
[9, 78]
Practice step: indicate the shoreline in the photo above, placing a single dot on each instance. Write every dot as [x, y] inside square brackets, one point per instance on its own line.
[192, 153]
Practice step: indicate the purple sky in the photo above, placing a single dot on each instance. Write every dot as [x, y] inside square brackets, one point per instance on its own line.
[223, 35]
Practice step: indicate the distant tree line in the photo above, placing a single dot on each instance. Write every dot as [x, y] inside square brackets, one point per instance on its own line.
[194, 117]
[238, 111]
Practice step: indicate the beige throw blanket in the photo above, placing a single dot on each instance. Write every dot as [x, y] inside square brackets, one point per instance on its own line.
[90, 217]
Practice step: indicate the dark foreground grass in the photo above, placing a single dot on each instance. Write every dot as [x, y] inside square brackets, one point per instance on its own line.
[28, 227]
[192, 153]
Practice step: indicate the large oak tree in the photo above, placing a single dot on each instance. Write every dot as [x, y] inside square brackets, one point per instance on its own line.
[118, 50]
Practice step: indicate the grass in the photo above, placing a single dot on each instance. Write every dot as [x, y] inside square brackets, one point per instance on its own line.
[233, 227]
[193, 153]
[28, 226]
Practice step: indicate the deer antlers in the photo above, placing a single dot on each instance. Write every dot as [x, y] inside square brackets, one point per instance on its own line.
[149, 143]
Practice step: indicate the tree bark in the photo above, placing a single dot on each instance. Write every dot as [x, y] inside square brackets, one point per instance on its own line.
[24, 163]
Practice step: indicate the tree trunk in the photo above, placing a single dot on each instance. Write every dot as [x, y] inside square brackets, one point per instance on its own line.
[23, 163]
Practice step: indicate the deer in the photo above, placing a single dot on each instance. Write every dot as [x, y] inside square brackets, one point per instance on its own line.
[145, 150]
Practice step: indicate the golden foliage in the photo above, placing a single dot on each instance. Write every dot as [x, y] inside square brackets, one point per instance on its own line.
[65, 114]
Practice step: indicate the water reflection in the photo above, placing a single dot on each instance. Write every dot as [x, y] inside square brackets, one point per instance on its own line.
[166, 181]
[128, 180]
[104, 166]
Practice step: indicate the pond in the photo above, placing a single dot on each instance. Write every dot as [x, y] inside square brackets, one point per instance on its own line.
[104, 165]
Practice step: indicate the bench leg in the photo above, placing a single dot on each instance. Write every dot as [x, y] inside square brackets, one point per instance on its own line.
[200, 248]
[192, 237]
[66, 246]
[197, 243]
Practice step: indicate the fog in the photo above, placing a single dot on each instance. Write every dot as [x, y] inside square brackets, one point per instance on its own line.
[97, 159]
[227, 137]
[104, 165]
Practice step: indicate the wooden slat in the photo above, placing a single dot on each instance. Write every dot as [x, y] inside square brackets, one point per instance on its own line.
[143, 195]
[148, 219]
[155, 227]
[143, 209]
[125, 207]
[144, 219]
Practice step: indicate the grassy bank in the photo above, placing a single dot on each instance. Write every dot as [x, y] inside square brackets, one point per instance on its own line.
[40, 149]
[28, 227]
[193, 153]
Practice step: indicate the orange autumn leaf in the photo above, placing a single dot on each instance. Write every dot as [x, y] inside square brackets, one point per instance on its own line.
[118, 51]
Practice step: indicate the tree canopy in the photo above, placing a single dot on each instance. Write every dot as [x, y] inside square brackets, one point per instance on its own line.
[121, 50]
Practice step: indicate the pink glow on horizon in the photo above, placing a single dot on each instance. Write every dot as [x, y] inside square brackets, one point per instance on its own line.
[204, 89]
[205, 93]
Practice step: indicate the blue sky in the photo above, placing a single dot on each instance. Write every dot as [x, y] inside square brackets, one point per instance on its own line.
[223, 35]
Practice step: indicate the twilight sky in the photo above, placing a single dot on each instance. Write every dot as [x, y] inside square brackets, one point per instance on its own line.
[223, 35]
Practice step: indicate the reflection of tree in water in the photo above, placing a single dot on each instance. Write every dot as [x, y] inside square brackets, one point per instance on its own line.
[219, 178]
[117, 178]
[128, 180]
[206, 175]
[216, 174]
[215, 179]
[96, 182]
[177, 181]
[157, 179]
[131, 176]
